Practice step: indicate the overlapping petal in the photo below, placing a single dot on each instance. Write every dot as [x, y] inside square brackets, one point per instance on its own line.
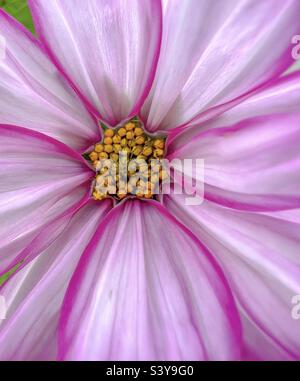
[252, 165]
[260, 257]
[146, 289]
[34, 95]
[280, 97]
[215, 51]
[40, 179]
[35, 295]
[107, 49]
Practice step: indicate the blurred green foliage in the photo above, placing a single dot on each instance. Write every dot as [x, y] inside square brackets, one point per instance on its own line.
[19, 10]
[3, 278]
[8, 274]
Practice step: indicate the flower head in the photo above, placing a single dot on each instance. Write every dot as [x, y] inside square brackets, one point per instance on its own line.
[109, 266]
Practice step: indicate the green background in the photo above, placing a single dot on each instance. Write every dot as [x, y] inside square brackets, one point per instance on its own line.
[20, 10]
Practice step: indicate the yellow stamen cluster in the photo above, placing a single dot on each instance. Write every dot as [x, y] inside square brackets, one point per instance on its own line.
[128, 149]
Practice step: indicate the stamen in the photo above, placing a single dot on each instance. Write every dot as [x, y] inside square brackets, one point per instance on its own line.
[127, 162]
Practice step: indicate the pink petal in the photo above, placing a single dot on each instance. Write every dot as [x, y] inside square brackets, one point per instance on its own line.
[253, 165]
[147, 289]
[292, 215]
[34, 95]
[282, 96]
[258, 346]
[260, 258]
[107, 49]
[40, 179]
[35, 295]
[215, 51]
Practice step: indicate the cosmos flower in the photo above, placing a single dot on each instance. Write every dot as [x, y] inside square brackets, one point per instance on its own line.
[145, 279]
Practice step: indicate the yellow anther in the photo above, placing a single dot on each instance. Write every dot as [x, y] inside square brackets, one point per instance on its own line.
[103, 155]
[117, 148]
[98, 196]
[99, 148]
[137, 150]
[131, 143]
[159, 143]
[158, 153]
[138, 131]
[116, 139]
[140, 140]
[114, 156]
[129, 135]
[93, 156]
[129, 126]
[108, 140]
[147, 151]
[124, 142]
[108, 148]
[122, 132]
[109, 133]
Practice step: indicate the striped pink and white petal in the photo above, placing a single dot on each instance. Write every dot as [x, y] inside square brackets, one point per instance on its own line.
[280, 97]
[146, 289]
[34, 296]
[40, 180]
[107, 49]
[215, 51]
[259, 255]
[253, 165]
[33, 94]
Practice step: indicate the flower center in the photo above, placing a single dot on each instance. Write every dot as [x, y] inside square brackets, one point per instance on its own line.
[127, 162]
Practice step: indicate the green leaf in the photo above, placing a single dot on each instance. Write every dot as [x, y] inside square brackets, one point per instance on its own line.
[19, 10]
[4, 277]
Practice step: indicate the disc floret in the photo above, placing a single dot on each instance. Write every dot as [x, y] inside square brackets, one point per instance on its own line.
[128, 162]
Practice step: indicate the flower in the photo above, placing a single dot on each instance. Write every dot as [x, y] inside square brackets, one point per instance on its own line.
[143, 279]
